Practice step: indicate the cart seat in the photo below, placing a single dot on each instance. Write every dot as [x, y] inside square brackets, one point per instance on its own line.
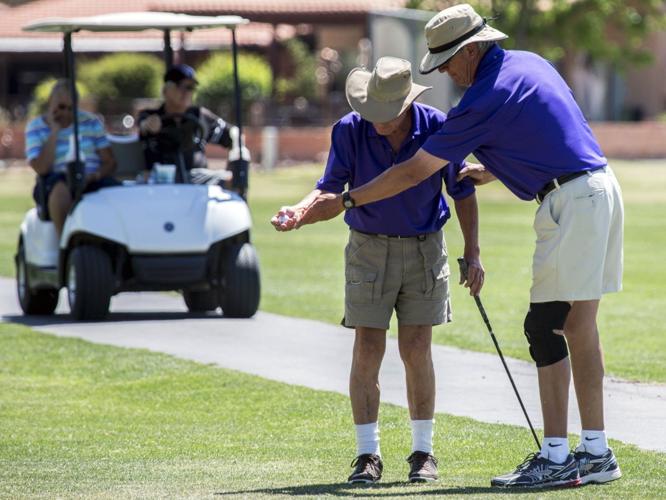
[128, 152]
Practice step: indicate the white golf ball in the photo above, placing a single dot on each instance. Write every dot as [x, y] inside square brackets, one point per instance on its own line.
[283, 218]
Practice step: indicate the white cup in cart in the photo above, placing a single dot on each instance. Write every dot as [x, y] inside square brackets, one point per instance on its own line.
[164, 174]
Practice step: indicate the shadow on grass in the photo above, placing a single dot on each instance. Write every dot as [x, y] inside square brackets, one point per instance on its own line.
[392, 489]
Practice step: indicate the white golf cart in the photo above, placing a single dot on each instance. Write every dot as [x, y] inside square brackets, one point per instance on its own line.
[140, 237]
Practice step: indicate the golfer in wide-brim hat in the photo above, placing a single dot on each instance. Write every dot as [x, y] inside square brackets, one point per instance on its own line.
[451, 30]
[519, 118]
[383, 94]
[396, 257]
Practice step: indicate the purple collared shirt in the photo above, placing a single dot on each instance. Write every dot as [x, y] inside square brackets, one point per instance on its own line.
[520, 119]
[359, 154]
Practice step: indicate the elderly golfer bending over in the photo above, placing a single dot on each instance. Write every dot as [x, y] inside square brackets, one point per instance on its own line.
[396, 257]
[520, 120]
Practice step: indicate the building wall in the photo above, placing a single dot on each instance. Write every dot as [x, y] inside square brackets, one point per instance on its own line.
[646, 87]
[339, 37]
[311, 144]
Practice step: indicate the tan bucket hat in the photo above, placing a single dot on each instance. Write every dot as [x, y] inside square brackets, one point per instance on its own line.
[382, 95]
[452, 29]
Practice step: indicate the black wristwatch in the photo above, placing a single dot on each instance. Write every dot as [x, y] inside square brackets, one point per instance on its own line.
[347, 201]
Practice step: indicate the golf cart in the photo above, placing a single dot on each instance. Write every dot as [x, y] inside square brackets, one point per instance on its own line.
[142, 237]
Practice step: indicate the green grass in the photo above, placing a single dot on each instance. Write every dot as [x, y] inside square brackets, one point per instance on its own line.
[15, 200]
[302, 271]
[83, 420]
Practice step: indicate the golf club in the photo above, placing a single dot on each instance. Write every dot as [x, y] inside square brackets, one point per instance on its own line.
[463, 272]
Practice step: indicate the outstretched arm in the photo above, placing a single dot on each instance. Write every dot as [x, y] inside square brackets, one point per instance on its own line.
[478, 173]
[393, 181]
[285, 219]
[398, 178]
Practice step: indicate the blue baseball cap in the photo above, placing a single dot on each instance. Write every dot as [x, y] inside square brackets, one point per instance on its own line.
[180, 72]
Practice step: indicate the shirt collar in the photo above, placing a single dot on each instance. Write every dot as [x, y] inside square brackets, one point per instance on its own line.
[487, 61]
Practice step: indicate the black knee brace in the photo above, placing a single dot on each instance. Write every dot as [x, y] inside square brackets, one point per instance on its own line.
[546, 346]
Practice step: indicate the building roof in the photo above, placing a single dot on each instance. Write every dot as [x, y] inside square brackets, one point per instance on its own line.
[283, 11]
[277, 6]
[14, 39]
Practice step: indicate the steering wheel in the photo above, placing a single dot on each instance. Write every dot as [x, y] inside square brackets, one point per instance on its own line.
[180, 132]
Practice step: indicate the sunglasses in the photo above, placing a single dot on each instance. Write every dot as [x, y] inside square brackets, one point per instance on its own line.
[64, 107]
[446, 63]
[187, 88]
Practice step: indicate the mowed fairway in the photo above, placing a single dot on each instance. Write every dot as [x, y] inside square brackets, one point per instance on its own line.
[83, 420]
[79, 420]
[302, 271]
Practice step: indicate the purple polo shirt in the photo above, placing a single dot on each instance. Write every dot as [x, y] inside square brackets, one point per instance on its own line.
[359, 154]
[520, 119]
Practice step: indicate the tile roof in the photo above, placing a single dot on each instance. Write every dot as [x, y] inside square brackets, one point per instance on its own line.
[277, 6]
[13, 39]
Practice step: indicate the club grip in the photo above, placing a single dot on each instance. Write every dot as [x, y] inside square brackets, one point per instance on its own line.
[462, 265]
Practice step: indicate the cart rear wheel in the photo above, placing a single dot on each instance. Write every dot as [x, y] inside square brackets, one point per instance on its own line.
[38, 302]
[201, 301]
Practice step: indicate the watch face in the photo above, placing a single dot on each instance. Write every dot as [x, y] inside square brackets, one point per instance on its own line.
[348, 203]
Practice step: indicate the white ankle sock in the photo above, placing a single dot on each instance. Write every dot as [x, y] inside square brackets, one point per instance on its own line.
[367, 439]
[594, 442]
[422, 435]
[555, 449]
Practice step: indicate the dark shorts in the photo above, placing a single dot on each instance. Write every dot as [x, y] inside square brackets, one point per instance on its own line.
[46, 183]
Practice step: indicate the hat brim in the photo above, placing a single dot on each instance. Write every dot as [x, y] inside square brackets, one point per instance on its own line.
[431, 62]
[371, 109]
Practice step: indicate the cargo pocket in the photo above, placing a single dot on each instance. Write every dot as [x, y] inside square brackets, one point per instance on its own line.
[435, 267]
[361, 285]
[437, 281]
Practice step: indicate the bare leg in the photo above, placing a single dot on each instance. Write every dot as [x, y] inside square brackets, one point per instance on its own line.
[587, 362]
[369, 347]
[415, 351]
[59, 202]
[554, 393]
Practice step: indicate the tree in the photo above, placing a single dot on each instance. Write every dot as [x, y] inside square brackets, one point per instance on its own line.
[607, 30]
[302, 81]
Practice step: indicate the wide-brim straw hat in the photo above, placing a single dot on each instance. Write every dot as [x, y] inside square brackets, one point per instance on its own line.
[383, 94]
[452, 29]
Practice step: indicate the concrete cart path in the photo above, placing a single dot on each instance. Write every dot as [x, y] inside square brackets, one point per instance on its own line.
[318, 355]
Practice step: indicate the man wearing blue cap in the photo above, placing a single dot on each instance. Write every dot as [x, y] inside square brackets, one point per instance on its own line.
[519, 118]
[172, 128]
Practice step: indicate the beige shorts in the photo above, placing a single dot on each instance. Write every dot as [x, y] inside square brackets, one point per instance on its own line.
[410, 275]
[579, 230]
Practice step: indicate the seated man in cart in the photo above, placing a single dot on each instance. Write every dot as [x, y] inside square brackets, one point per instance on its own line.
[177, 132]
[49, 148]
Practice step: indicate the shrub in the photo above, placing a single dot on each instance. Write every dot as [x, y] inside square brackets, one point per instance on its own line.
[40, 95]
[119, 78]
[216, 82]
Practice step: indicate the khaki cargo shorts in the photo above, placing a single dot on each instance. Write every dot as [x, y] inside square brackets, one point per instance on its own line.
[579, 230]
[410, 275]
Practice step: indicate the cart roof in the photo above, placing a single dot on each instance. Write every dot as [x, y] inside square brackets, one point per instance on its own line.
[133, 21]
